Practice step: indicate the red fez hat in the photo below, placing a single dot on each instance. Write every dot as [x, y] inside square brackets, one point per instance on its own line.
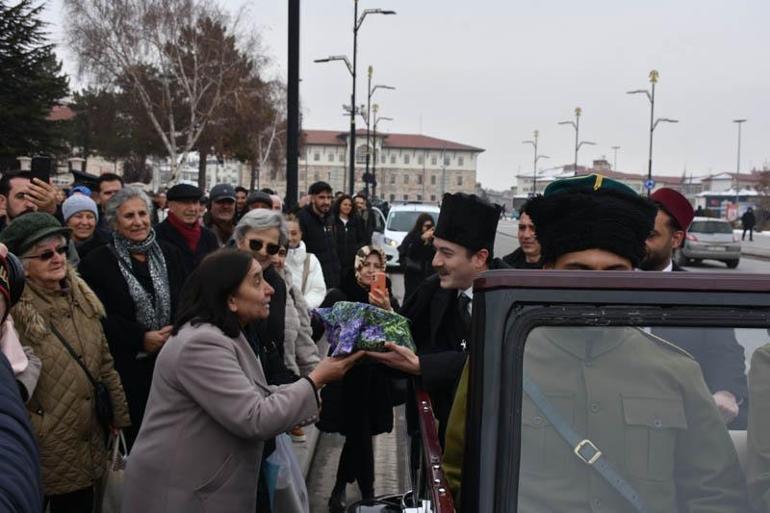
[675, 205]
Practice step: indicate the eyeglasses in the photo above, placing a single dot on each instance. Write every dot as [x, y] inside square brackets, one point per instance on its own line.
[48, 254]
[256, 245]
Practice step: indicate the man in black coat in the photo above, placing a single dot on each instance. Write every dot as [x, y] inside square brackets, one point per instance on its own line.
[717, 351]
[748, 220]
[183, 229]
[317, 226]
[440, 309]
[527, 255]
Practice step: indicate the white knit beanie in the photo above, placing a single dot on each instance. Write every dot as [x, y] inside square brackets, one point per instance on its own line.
[78, 203]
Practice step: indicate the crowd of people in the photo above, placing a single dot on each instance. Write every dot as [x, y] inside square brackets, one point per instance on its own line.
[190, 315]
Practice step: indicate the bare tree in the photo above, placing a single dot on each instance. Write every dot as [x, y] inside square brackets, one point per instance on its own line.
[182, 58]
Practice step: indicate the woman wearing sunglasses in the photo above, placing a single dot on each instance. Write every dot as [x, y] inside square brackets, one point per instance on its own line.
[55, 310]
[138, 279]
[416, 253]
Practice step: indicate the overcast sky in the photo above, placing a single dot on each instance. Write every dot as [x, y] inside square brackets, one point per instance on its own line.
[489, 72]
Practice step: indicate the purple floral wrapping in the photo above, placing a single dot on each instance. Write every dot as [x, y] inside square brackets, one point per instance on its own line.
[359, 326]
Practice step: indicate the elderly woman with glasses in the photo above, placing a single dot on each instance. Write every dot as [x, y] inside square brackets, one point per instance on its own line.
[58, 316]
[138, 278]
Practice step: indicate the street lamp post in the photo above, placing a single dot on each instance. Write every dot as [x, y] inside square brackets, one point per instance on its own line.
[615, 157]
[371, 90]
[739, 122]
[374, 162]
[537, 157]
[357, 22]
[576, 125]
[654, 75]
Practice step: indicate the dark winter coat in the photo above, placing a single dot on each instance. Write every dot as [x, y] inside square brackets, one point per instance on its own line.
[416, 258]
[125, 334]
[207, 244]
[441, 341]
[318, 235]
[20, 489]
[362, 403]
[348, 238]
[748, 220]
[518, 260]
[84, 248]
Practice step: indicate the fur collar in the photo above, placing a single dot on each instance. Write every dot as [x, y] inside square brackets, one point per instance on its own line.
[27, 312]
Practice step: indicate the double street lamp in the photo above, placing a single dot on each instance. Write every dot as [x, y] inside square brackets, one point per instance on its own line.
[371, 91]
[578, 143]
[357, 22]
[537, 157]
[653, 122]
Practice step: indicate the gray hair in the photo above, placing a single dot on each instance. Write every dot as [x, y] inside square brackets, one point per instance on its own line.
[262, 219]
[126, 193]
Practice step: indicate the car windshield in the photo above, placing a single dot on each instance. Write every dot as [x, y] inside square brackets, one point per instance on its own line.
[403, 221]
[710, 227]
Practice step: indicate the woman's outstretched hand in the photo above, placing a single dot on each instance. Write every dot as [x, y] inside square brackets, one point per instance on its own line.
[333, 368]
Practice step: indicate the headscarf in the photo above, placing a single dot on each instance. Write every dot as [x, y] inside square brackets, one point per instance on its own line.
[362, 254]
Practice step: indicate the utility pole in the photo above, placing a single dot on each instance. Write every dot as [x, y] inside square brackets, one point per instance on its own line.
[292, 110]
[615, 158]
[739, 122]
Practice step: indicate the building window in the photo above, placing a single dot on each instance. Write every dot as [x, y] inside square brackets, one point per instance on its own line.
[392, 179]
[460, 161]
[433, 180]
[406, 179]
[316, 176]
[406, 159]
[382, 159]
[331, 157]
[329, 176]
[446, 161]
[361, 153]
[392, 197]
[406, 197]
[421, 160]
[459, 180]
[392, 159]
[419, 179]
[316, 156]
[342, 157]
[419, 197]
[433, 197]
[433, 161]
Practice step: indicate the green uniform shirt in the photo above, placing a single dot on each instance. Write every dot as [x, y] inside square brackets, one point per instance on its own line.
[758, 465]
[643, 403]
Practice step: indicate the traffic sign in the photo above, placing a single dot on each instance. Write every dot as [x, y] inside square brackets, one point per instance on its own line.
[649, 184]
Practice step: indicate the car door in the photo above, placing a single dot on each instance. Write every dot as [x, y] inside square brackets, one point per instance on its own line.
[378, 236]
[600, 391]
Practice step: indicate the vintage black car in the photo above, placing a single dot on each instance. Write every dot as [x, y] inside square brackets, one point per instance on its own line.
[607, 391]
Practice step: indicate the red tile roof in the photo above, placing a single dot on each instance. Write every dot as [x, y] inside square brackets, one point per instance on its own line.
[61, 113]
[411, 141]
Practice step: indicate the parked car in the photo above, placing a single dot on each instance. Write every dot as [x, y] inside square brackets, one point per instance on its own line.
[646, 417]
[378, 236]
[709, 238]
[401, 219]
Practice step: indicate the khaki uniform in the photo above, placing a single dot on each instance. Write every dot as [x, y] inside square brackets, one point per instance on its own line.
[758, 466]
[643, 403]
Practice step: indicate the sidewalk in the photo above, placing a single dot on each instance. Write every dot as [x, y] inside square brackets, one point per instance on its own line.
[758, 248]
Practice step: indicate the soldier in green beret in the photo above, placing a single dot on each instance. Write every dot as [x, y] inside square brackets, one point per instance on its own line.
[758, 466]
[639, 403]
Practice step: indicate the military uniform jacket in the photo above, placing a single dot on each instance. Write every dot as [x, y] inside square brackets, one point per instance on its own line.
[758, 466]
[642, 402]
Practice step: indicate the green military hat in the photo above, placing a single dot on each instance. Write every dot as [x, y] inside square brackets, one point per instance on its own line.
[592, 182]
[26, 230]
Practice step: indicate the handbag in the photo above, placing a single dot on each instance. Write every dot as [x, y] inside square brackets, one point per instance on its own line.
[102, 399]
[112, 480]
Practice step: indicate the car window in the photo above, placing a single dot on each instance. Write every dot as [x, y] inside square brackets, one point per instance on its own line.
[403, 221]
[710, 227]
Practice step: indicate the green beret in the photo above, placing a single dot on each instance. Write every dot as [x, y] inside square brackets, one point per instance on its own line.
[592, 182]
[28, 229]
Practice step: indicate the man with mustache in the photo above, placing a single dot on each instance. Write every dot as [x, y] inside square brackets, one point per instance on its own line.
[440, 309]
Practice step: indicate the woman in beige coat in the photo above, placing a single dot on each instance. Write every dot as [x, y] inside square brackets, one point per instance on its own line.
[62, 412]
[210, 408]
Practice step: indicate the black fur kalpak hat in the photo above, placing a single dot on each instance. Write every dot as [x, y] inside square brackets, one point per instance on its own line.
[467, 220]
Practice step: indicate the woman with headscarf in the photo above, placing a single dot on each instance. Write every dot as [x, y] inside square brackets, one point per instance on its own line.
[363, 406]
[416, 253]
[138, 278]
[58, 315]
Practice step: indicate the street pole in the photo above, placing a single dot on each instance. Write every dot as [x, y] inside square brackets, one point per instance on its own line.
[368, 114]
[615, 158]
[739, 122]
[292, 110]
[653, 80]
[352, 180]
[578, 111]
[374, 162]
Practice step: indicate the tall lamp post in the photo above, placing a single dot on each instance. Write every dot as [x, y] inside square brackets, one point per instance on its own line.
[739, 122]
[654, 75]
[615, 157]
[578, 143]
[371, 91]
[357, 22]
[537, 157]
[375, 107]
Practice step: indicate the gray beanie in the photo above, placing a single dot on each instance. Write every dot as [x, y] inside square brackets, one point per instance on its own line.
[78, 203]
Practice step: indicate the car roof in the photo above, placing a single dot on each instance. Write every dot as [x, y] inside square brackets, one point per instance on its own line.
[414, 207]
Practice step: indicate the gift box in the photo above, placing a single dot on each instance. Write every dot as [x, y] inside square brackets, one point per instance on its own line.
[354, 327]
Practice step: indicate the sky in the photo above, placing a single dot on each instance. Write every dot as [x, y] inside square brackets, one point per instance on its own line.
[488, 73]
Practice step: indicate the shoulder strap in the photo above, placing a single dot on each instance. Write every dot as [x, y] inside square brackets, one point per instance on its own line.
[305, 271]
[75, 356]
[584, 448]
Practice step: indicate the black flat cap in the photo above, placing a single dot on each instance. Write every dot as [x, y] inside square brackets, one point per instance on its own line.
[184, 191]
